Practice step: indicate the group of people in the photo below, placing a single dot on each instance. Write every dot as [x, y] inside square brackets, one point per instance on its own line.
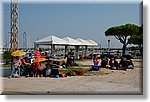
[22, 67]
[26, 66]
[112, 63]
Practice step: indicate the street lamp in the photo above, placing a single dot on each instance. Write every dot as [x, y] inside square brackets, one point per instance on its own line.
[109, 45]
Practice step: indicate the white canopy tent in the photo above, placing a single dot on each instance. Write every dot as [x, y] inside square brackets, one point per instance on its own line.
[84, 42]
[51, 40]
[67, 41]
[92, 42]
[72, 41]
[87, 43]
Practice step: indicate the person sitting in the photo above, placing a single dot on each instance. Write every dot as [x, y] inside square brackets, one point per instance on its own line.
[25, 67]
[34, 68]
[43, 55]
[124, 63]
[72, 56]
[41, 69]
[47, 71]
[104, 62]
[95, 67]
[30, 57]
[108, 65]
[64, 62]
[113, 63]
[54, 70]
[69, 60]
[130, 64]
[46, 55]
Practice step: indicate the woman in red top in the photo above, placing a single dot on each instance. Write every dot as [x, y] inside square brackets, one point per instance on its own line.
[37, 53]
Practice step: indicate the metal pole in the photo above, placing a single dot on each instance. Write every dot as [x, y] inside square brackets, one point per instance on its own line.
[109, 45]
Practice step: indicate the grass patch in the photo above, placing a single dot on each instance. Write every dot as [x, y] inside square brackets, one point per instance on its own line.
[6, 65]
[85, 70]
[68, 69]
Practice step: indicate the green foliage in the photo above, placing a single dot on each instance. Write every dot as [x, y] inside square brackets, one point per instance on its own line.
[123, 32]
[6, 56]
[136, 40]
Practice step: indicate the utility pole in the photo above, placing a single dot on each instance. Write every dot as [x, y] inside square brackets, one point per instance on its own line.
[13, 25]
[24, 40]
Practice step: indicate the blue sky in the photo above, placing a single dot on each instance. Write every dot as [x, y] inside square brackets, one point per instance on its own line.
[76, 20]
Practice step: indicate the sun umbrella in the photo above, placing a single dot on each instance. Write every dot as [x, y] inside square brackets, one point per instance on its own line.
[18, 53]
[39, 59]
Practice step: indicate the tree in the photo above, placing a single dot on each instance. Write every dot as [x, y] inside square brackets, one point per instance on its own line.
[138, 40]
[6, 56]
[122, 33]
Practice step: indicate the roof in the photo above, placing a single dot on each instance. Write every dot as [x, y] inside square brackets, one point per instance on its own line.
[84, 42]
[65, 41]
[72, 41]
[92, 42]
[52, 40]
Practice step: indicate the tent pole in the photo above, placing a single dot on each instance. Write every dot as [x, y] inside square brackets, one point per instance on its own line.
[86, 49]
[66, 46]
[77, 50]
[82, 53]
[51, 48]
[92, 52]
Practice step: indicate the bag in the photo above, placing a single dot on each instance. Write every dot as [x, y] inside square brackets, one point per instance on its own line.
[62, 74]
[79, 72]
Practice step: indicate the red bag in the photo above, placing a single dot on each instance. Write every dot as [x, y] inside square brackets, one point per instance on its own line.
[79, 72]
[62, 74]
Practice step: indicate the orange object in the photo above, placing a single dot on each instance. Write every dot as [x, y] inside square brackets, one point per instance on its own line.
[39, 59]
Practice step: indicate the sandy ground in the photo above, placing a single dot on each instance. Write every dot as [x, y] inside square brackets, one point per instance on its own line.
[116, 82]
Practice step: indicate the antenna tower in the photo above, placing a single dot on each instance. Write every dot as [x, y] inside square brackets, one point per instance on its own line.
[13, 25]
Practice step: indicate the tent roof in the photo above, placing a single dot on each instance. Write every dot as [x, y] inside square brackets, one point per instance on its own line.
[92, 42]
[72, 41]
[52, 40]
[84, 42]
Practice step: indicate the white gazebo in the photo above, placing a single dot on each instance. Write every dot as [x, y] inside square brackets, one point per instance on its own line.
[73, 42]
[93, 43]
[51, 40]
[67, 41]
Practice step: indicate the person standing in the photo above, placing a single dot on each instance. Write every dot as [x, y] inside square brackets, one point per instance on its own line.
[16, 67]
[37, 53]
